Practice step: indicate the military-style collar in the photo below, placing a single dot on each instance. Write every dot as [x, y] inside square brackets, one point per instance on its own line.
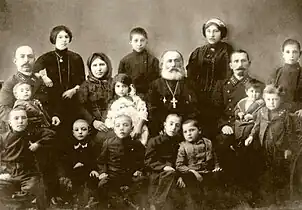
[234, 81]
[25, 78]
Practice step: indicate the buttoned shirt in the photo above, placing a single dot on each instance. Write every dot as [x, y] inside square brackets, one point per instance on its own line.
[225, 97]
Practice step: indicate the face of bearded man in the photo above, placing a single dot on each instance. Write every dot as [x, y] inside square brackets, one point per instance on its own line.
[239, 63]
[172, 66]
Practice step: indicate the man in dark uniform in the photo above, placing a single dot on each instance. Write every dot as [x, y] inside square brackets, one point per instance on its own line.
[170, 93]
[24, 60]
[225, 97]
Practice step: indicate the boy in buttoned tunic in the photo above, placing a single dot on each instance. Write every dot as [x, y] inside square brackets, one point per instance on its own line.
[195, 160]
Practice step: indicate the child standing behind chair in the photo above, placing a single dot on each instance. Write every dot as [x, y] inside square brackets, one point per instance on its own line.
[140, 65]
[123, 102]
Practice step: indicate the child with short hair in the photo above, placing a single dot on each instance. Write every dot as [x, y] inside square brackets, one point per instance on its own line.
[289, 75]
[124, 102]
[246, 111]
[160, 159]
[273, 132]
[79, 163]
[121, 160]
[140, 65]
[195, 159]
[18, 146]
[37, 115]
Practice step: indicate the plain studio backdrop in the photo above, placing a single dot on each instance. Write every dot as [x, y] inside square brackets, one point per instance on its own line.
[258, 26]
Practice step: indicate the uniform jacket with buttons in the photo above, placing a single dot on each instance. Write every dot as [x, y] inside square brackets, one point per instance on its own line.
[198, 156]
[226, 95]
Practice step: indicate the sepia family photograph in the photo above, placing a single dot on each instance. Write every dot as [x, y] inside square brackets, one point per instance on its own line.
[150, 104]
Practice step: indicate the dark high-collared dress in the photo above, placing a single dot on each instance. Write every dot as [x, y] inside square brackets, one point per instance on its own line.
[66, 70]
[207, 65]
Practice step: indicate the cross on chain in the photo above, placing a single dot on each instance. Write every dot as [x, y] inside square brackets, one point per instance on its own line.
[174, 101]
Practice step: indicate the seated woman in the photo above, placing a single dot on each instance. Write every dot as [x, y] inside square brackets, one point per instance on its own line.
[94, 94]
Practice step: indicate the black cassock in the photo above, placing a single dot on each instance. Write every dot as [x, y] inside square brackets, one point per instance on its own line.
[166, 97]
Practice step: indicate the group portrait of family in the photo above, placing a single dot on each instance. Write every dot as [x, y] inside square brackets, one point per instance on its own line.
[157, 133]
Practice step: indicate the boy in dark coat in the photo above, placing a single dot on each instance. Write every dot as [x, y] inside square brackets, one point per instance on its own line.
[160, 160]
[272, 133]
[18, 162]
[121, 161]
[79, 160]
[140, 65]
[289, 75]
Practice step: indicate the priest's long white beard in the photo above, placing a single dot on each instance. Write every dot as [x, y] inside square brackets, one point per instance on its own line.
[172, 75]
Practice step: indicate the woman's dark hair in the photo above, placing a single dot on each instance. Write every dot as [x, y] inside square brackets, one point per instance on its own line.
[103, 57]
[222, 28]
[54, 33]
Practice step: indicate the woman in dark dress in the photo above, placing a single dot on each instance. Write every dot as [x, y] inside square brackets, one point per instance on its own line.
[62, 71]
[208, 64]
[94, 94]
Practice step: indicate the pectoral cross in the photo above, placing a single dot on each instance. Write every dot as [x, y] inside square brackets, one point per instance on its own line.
[174, 101]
